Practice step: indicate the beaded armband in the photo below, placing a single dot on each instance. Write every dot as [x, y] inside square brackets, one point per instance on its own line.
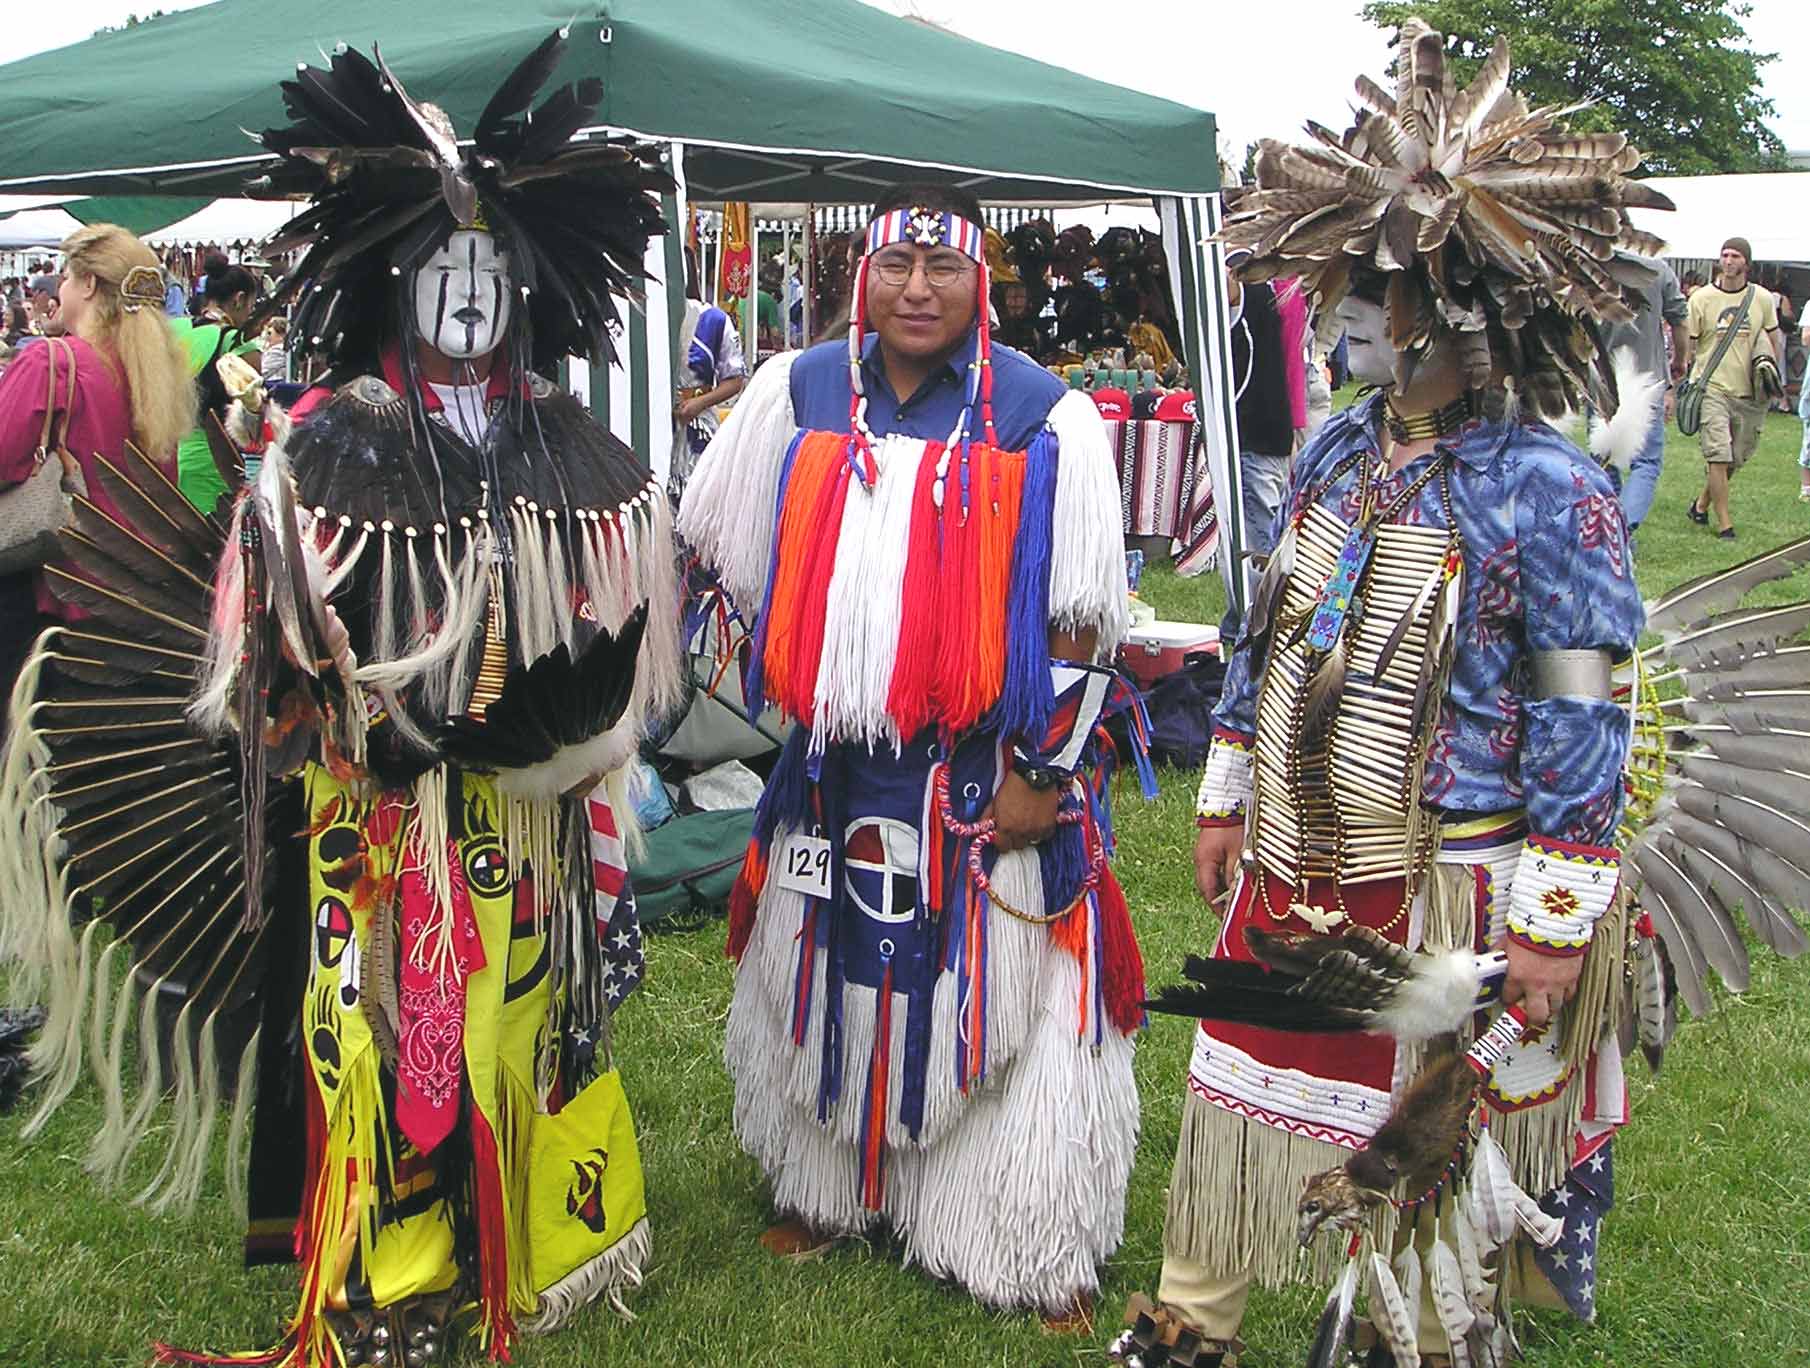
[1084, 694]
[1225, 787]
[1560, 891]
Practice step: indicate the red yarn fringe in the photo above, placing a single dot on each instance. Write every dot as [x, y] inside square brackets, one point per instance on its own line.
[493, 1240]
[1122, 971]
[873, 1160]
[743, 899]
[810, 611]
[813, 467]
[914, 666]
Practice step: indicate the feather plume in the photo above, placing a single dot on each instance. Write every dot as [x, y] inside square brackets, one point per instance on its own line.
[1334, 1328]
[1357, 980]
[1726, 639]
[1718, 869]
[1696, 601]
[1619, 439]
[517, 92]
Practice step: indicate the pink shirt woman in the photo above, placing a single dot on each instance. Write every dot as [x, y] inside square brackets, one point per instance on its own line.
[131, 375]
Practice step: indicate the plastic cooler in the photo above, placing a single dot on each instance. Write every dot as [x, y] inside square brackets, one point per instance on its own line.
[1155, 649]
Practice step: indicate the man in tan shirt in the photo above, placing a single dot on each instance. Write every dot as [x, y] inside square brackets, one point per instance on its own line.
[1732, 413]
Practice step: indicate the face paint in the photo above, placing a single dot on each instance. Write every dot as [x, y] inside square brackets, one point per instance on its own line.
[463, 296]
[1371, 354]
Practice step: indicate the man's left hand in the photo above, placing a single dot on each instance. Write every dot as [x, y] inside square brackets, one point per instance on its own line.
[1022, 816]
[1541, 983]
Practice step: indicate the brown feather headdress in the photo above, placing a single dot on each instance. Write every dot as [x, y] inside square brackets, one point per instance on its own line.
[1482, 221]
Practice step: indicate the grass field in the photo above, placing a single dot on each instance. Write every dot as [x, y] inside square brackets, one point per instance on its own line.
[1706, 1258]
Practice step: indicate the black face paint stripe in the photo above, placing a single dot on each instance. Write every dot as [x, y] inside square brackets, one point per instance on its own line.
[496, 311]
[471, 292]
[440, 309]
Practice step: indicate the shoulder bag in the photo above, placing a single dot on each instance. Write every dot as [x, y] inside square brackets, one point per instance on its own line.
[1689, 405]
[31, 513]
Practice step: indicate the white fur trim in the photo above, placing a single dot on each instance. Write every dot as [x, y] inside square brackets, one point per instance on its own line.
[1087, 570]
[727, 513]
[1437, 998]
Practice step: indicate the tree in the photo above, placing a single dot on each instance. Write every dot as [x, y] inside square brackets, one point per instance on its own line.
[1675, 75]
[132, 21]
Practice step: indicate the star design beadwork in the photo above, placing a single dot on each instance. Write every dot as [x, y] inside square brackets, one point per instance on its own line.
[926, 227]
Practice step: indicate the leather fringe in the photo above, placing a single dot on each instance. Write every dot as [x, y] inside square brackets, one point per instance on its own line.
[1232, 1198]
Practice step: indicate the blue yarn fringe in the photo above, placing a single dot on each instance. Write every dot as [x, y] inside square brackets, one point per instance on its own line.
[787, 797]
[1027, 698]
[1062, 860]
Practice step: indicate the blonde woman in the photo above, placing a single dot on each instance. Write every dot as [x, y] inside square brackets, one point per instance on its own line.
[131, 383]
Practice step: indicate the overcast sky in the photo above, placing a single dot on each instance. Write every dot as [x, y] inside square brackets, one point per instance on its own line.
[1210, 53]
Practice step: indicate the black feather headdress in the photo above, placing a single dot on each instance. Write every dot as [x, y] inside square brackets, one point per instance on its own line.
[390, 180]
[1480, 221]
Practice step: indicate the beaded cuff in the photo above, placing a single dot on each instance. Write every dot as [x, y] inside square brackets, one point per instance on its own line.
[1560, 891]
[1230, 776]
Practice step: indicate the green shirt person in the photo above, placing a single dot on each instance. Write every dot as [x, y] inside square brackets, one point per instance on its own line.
[230, 295]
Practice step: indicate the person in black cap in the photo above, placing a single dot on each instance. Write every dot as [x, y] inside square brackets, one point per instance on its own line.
[1732, 412]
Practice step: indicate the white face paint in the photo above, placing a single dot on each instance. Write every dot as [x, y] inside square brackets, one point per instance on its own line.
[1369, 351]
[463, 296]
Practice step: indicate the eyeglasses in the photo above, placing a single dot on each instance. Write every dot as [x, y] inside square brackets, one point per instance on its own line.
[943, 270]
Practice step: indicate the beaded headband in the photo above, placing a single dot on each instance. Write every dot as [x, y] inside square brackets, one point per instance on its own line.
[922, 226]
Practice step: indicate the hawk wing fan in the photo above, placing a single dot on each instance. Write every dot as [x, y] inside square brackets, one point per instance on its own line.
[126, 854]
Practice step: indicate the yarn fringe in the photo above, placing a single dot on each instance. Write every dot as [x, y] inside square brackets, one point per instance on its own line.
[730, 508]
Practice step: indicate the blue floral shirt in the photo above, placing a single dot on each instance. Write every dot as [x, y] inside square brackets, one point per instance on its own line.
[1546, 568]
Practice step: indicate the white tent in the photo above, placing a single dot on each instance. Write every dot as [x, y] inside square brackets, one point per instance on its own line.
[1772, 211]
[36, 228]
[227, 221]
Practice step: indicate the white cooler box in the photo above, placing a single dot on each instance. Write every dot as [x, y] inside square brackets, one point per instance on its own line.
[1158, 648]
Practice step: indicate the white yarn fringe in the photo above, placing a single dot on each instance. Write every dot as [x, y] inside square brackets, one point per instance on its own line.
[619, 1269]
[865, 601]
[1087, 567]
[727, 514]
[1017, 1190]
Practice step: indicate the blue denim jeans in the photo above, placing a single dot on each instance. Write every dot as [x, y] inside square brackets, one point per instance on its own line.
[1265, 481]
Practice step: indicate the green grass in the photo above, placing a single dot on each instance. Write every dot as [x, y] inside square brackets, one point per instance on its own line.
[1707, 1256]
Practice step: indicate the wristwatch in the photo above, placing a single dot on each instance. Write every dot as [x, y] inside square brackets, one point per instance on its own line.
[1043, 778]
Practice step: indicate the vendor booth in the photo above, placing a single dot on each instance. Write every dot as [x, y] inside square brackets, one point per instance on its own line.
[786, 101]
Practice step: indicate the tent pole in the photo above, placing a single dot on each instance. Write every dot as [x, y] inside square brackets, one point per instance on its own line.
[751, 309]
[785, 270]
[1190, 224]
[810, 267]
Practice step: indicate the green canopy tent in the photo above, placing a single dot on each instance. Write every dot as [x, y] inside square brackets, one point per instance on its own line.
[759, 100]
